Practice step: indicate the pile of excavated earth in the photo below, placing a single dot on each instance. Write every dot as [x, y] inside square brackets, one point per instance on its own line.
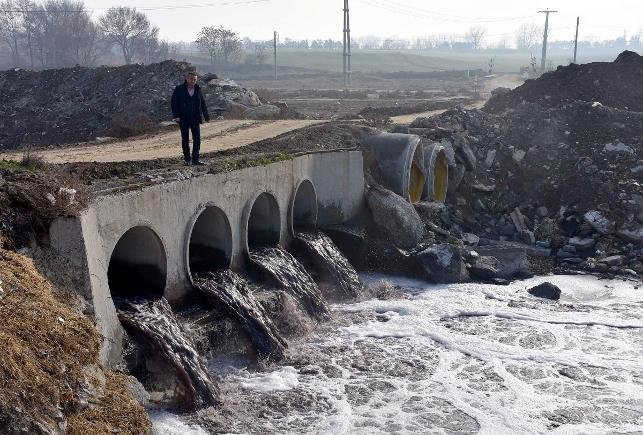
[69, 105]
[551, 171]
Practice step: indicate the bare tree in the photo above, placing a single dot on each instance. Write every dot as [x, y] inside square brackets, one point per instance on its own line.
[150, 49]
[29, 25]
[527, 36]
[57, 33]
[475, 35]
[208, 40]
[84, 39]
[126, 28]
[220, 43]
[231, 46]
[11, 28]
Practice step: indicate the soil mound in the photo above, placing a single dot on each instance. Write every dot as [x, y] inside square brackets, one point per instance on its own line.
[79, 104]
[615, 84]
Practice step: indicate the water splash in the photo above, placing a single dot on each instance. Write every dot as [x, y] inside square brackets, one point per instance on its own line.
[155, 326]
[292, 276]
[224, 287]
[325, 254]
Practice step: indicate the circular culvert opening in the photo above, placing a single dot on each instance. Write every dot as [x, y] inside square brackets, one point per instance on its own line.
[138, 265]
[440, 177]
[264, 223]
[304, 207]
[210, 244]
[417, 178]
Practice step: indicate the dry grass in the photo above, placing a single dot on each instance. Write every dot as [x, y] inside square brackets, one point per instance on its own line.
[117, 411]
[33, 161]
[45, 346]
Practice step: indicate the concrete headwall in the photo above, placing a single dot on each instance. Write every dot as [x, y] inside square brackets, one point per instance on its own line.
[170, 211]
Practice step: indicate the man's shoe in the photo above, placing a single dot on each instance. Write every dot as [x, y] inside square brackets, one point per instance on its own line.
[186, 163]
[198, 164]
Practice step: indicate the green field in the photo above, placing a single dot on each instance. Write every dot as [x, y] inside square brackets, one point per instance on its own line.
[417, 61]
[381, 61]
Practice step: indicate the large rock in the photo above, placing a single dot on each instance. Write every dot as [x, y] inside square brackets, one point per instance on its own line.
[443, 263]
[396, 217]
[485, 267]
[229, 90]
[512, 261]
[545, 290]
[601, 224]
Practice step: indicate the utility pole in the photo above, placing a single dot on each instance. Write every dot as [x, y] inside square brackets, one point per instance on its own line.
[543, 58]
[347, 46]
[274, 46]
[576, 38]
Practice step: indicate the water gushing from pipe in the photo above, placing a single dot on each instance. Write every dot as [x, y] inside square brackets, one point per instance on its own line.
[293, 277]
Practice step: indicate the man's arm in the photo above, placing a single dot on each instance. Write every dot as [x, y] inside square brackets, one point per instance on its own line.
[176, 110]
[204, 108]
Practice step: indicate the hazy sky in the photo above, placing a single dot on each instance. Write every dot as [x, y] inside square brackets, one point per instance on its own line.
[311, 19]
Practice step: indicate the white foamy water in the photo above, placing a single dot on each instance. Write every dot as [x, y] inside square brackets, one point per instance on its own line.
[284, 379]
[164, 423]
[466, 358]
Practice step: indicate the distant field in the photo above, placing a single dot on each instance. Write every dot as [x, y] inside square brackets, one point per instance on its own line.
[380, 61]
[417, 61]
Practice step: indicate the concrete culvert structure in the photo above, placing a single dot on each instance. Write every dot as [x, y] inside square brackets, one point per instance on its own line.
[303, 213]
[437, 169]
[397, 162]
[210, 242]
[264, 222]
[138, 265]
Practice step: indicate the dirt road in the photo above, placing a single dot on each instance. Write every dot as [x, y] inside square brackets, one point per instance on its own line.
[504, 80]
[215, 136]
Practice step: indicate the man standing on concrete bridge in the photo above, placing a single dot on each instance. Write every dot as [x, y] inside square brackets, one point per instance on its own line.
[189, 110]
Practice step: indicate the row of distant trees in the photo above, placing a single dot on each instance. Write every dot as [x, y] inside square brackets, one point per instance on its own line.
[526, 37]
[59, 33]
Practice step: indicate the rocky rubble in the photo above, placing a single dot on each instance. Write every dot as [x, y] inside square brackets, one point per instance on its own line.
[82, 104]
[559, 182]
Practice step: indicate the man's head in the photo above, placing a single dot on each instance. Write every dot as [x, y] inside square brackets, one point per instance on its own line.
[191, 77]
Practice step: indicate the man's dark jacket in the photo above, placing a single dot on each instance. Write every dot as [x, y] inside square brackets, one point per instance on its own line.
[189, 108]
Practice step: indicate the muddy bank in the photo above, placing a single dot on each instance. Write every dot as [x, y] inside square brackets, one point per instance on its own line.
[51, 380]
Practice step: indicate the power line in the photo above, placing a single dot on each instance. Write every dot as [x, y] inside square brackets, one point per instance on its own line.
[143, 8]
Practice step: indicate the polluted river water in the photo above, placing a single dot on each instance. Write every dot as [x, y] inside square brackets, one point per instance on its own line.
[461, 358]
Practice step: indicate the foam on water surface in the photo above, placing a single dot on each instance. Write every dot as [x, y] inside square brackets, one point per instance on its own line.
[164, 423]
[283, 379]
[463, 358]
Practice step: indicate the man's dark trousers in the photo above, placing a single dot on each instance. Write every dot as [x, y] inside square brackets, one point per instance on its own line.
[186, 126]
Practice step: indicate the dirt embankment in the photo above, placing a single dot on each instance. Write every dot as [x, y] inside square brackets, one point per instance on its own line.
[50, 377]
[615, 84]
